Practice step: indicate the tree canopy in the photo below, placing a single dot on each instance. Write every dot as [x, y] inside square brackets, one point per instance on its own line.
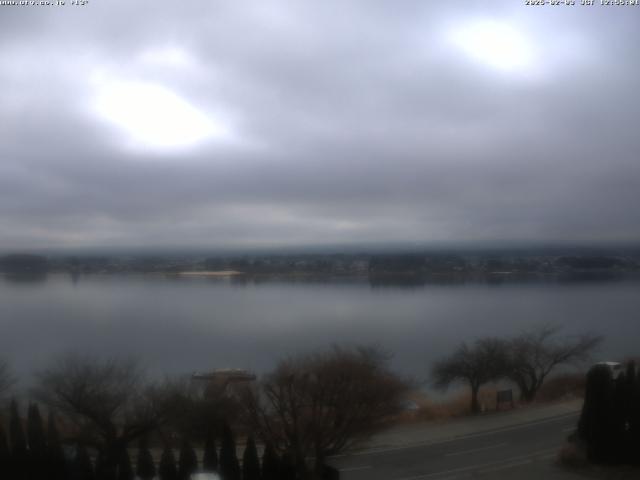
[319, 404]
[108, 401]
[534, 354]
[483, 361]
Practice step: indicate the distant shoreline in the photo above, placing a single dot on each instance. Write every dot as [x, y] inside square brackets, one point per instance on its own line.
[210, 273]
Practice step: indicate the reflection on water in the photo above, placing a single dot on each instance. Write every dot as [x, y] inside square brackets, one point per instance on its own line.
[30, 277]
[177, 325]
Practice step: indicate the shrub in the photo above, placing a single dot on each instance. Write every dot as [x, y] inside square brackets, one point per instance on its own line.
[167, 469]
[146, 469]
[210, 459]
[188, 461]
[250, 462]
[229, 465]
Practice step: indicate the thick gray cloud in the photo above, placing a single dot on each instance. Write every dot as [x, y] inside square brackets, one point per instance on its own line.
[337, 122]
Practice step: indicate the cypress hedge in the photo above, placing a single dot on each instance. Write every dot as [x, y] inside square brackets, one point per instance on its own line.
[229, 465]
[210, 458]
[250, 461]
[146, 468]
[609, 424]
[167, 469]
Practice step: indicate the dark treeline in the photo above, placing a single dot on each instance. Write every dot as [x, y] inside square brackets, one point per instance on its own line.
[23, 263]
[376, 265]
[112, 423]
[609, 426]
[37, 453]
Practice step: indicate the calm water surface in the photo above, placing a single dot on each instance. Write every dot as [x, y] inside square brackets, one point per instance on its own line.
[178, 325]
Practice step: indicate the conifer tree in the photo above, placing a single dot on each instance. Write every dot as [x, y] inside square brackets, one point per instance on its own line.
[125, 471]
[55, 456]
[628, 390]
[5, 455]
[229, 465]
[210, 459]
[188, 461]
[102, 473]
[634, 417]
[250, 461]
[167, 469]
[146, 469]
[287, 467]
[619, 416]
[106, 467]
[630, 376]
[19, 451]
[37, 443]
[82, 468]
[270, 463]
[35, 433]
[596, 424]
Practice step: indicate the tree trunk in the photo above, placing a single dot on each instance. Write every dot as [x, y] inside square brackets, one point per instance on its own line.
[112, 452]
[532, 390]
[475, 404]
[527, 392]
[528, 395]
[319, 463]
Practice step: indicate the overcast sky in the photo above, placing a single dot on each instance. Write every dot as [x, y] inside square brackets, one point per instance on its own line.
[262, 123]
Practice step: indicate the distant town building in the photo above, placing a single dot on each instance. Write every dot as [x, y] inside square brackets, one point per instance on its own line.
[216, 382]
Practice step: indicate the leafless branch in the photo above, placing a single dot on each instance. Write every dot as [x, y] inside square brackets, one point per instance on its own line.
[319, 404]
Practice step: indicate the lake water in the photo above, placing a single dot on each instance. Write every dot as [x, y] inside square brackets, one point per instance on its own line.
[179, 325]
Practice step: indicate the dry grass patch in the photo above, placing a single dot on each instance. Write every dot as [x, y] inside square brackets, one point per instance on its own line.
[455, 406]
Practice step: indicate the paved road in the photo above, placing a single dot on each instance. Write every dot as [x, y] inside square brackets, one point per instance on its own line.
[518, 451]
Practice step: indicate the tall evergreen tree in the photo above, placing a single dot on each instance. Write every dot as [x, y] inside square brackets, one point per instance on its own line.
[35, 433]
[82, 469]
[631, 378]
[167, 469]
[19, 451]
[100, 468]
[287, 467]
[5, 455]
[106, 467]
[210, 458]
[250, 461]
[229, 465]
[125, 471]
[635, 422]
[628, 452]
[55, 455]
[37, 443]
[619, 416]
[270, 463]
[596, 425]
[188, 461]
[146, 469]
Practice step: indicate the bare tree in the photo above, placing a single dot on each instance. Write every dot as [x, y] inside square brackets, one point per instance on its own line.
[196, 412]
[6, 378]
[476, 365]
[317, 405]
[107, 400]
[533, 355]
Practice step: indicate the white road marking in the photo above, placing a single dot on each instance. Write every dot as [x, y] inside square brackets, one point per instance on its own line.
[507, 461]
[480, 449]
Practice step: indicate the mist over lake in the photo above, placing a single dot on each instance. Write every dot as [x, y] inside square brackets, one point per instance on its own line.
[178, 325]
